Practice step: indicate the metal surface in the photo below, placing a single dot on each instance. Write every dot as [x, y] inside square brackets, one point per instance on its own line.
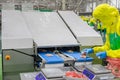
[98, 69]
[28, 76]
[109, 76]
[48, 29]
[15, 34]
[77, 56]
[98, 72]
[66, 58]
[18, 63]
[32, 75]
[52, 72]
[84, 33]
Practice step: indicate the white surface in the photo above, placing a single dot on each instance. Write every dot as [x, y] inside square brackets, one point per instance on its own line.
[29, 75]
[53, 72]
[8, 6]
[48, 29]
[27, 6]
[15, 34]
[84, 33]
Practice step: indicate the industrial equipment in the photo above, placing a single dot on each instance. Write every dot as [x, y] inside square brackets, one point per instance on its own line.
[47, 74]
[51, 34]
[90, 72]
[84, 34]
[17, 44]
[98, 72]
[36, 40]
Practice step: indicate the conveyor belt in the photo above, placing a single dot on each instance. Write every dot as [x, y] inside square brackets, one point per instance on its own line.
[53, 59]
[77, 56]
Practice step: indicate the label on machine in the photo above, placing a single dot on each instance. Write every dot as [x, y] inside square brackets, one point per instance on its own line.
[40, 76]
[88, 74]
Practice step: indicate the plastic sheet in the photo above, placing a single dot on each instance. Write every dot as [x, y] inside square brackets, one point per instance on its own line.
[114, 65]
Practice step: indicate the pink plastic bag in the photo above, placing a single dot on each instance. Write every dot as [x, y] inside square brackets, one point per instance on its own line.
[114, 65]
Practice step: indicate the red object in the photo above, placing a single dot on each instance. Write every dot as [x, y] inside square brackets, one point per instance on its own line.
[84, 55]
[74, 74]
[114, 65]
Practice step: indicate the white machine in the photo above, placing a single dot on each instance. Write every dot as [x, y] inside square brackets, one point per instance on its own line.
[49, 31]
[16, 39]
[98, 72]
[54, 37]
[86, 35]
